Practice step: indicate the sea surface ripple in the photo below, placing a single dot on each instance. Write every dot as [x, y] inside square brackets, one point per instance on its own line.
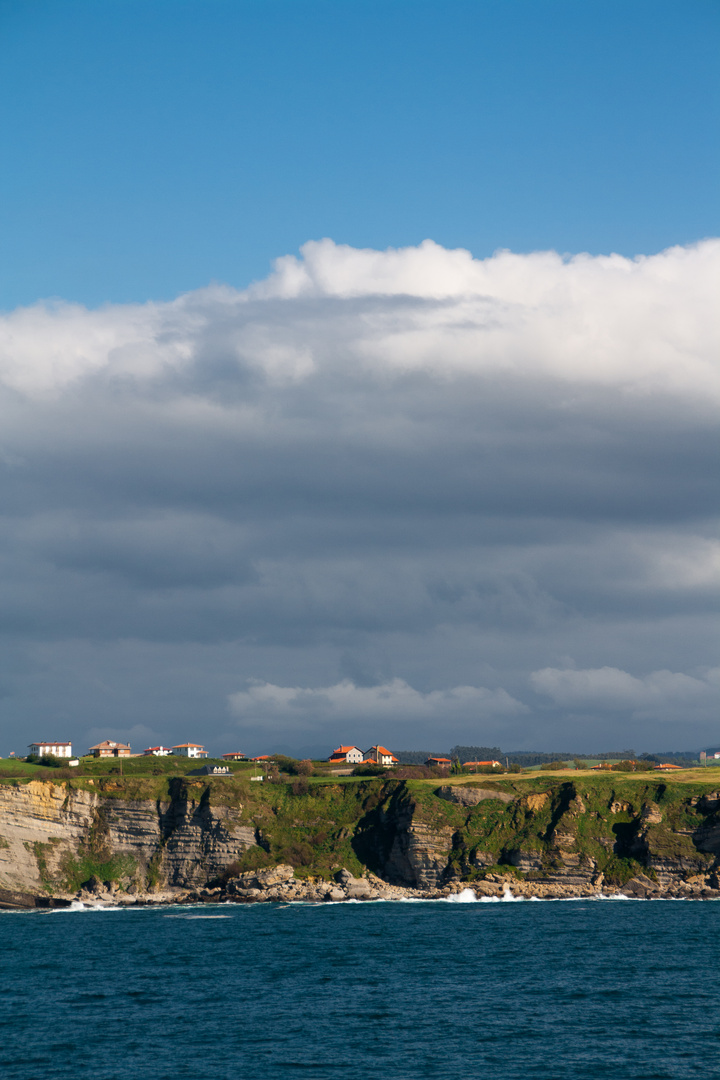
[621, 989]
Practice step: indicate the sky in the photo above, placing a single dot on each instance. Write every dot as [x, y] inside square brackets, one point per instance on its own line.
[359, 374]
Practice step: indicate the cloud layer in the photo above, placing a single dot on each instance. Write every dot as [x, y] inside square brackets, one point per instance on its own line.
[381, 488]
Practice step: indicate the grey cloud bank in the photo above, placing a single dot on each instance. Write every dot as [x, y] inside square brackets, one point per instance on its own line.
[404, 495]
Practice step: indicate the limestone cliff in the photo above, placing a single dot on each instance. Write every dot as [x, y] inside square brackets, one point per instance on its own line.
[55, 835]
[136, 838]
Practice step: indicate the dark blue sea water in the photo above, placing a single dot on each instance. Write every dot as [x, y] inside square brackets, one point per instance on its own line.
[618, 989]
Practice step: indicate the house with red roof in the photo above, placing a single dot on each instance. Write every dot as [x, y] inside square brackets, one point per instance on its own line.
[157, 751]
[351, 755]
[481, 765]
[189, 749]
[379, 755]
[438, 762]
[235, 755]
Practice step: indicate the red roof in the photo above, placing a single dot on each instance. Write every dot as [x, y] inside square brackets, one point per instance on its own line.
[345, 750]
[381, 750]
[669, 766]
[186, 745]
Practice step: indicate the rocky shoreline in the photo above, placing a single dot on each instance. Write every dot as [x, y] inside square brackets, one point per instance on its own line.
[280, 885]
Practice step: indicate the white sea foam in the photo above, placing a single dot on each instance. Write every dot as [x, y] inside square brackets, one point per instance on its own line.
[197, 916]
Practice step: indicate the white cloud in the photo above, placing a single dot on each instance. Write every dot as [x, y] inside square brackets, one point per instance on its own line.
[662, 693]
[646, 324]
[392, 702]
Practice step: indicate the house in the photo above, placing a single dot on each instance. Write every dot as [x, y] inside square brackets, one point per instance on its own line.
[604, 766]
[57, 749]
[235, 755]
[350, 754]
[439, 762]
[379, 755]
[189, 749]
[264, 759]
[214, 770]
[482, 765]
[108, 748]
[157, 751]
[665, 767]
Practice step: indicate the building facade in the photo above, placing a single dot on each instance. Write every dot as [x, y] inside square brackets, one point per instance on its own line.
[351, 755]
[190, 749]
[108, 748]
[380, 755]
[57, 749]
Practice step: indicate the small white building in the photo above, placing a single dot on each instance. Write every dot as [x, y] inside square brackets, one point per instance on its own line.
[57, 749]
[352, 755]
[189, 749]
[157, 751]
[380, 755]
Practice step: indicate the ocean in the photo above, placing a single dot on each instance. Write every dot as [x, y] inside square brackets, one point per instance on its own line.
[617, 989]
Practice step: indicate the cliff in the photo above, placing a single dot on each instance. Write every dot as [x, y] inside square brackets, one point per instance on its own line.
[160, 839]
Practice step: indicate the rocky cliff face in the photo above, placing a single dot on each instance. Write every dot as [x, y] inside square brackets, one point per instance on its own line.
[52, 836]
[648, 838]
[575, 837]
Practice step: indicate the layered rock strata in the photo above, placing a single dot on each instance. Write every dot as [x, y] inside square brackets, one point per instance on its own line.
[105, 842]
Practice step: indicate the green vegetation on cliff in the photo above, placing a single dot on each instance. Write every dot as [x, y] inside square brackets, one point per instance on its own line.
[160, 829]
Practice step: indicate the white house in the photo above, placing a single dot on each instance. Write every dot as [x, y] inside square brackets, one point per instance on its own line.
[380, 755]
[353, 755]
[189, 749]
[57, 749]
[157, 751]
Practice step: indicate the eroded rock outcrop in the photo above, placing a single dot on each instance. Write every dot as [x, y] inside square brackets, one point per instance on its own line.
[110, 842]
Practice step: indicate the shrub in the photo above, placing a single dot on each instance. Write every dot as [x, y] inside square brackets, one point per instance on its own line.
[300, 787]
[368, 770]
[296, 854]
[554, 765]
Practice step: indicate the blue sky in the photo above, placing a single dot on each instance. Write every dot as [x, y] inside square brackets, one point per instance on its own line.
[439, 478]
[153, 147]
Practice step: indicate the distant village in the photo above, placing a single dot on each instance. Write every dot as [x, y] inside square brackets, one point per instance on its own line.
[343, 758]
